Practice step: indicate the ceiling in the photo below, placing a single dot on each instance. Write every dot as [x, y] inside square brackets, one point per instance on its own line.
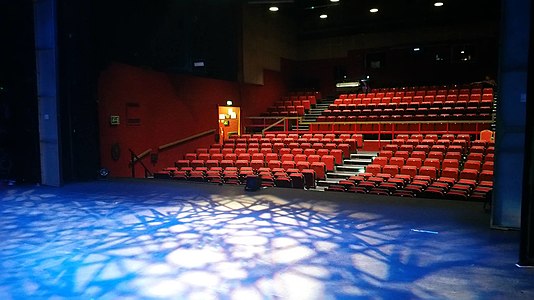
[352, 16]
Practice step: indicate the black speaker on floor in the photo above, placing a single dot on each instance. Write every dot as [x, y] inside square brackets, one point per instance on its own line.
[253, 183]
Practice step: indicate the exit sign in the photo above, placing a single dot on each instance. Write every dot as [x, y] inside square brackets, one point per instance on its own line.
[114, 120]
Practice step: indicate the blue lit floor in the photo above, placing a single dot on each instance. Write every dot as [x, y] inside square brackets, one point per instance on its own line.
[156, 239]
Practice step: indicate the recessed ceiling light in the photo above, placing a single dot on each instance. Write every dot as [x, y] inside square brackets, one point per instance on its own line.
[462, 51]
[373, 10]
[334, 0]
[416, 49]
[323, 16]
[438, 4]
[273, 8]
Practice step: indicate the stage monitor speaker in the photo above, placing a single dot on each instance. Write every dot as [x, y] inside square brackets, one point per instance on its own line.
[253, 183]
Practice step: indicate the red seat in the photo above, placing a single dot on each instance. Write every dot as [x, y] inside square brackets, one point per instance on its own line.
[381, 160]
[373, 169]
[470, 174]
[258, 156]
[421, 147]
[190, 156]
[404, 154]
[436, 154]
[329, 162]
[256, 164]
[211, 163]
[309, 178]
[418, 154]
[475, 156]
[320, 169]
[391, 169]
[243, 156]
[409, 170]
[240, 163]
[288, 164]
[450, 163]
[274, 164]
[398, 161]
[314, 158]
[322, 152]
[450, 173]
[197, 163]
[271, 156]
[429, 171]
[385, 153]
[432, 162]
[182, 163]
[407, 148]
[300, 157]
[453, 155]
[287, 157]
[414, 161]
[472, 164]
[338, 156]
[225, 163]
[301, 165]
[487, 166]
[486, 175]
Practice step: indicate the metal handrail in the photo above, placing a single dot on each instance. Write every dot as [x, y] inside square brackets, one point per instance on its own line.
[137, 159]
[185, 140]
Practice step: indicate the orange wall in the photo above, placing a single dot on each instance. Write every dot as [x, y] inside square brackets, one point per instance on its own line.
[171, 107]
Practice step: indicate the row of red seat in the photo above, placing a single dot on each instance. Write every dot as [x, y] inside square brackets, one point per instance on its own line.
[411, 112]
[419, 186]
[295, 136]
[294, 105]
[293, 178]
[417, 92]
[438, 100]
[328, 160]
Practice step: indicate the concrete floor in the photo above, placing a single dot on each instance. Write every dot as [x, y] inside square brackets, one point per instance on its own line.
[143, 239]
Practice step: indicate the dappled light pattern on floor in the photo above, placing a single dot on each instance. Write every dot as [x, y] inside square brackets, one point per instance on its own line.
[186, 244]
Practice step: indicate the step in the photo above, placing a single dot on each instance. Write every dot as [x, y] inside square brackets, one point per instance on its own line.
[327, 182]
[350, 168]
[362, 155]
[340, 174]
[357, 161]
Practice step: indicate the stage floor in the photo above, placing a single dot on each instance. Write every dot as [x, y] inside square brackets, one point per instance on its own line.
[145, 239]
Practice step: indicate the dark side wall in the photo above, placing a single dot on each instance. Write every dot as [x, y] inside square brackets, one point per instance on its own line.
[164, 108]
[400, 66]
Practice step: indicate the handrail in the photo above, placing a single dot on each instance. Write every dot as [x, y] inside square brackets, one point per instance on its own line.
[187, 139]
[142, 155]
[273, 125]
[137, 158]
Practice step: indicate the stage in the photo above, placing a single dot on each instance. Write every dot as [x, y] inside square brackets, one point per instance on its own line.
[157, 239]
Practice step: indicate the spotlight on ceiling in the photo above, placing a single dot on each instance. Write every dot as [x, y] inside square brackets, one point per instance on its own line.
[323, 16]
[273, 8]
[373, 10]
[229, 102]
[416, 49]
[438, 4]
[334, 0]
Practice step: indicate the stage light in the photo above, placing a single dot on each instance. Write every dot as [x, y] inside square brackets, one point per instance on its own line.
[373, 10]
[229, 102]
[323, 16]
[273, 8]
[438, 4]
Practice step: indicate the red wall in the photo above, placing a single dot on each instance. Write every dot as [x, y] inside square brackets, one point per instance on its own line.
[171, 107]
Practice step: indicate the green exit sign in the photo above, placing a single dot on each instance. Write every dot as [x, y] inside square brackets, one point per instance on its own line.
[114, 120]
